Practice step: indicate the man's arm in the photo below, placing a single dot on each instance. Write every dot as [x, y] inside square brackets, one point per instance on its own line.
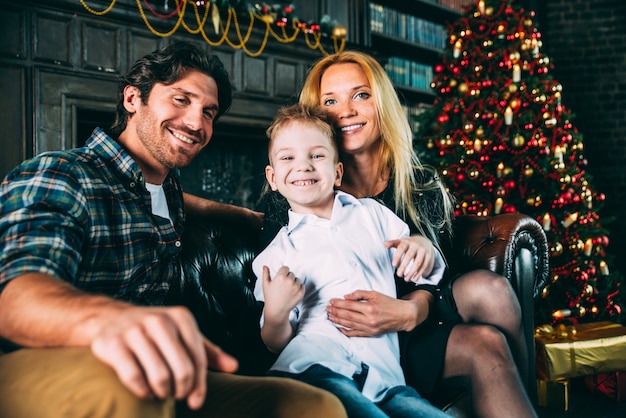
[155, 351]
[199, 207]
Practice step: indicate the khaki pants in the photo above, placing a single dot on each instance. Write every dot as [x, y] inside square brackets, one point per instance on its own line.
[72, 383]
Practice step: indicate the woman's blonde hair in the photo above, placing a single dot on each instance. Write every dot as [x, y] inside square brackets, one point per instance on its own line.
[396, 149]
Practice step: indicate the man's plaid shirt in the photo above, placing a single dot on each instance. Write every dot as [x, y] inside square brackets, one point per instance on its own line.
[85, 216]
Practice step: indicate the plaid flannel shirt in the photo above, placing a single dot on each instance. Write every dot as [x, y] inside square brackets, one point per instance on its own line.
[84, 216]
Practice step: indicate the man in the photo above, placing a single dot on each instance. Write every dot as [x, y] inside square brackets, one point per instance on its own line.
[90, 242]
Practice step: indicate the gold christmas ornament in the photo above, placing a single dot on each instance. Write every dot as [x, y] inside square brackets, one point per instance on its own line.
[463, 87]
[556, 249]
[518, 141]
[528, 171]
[340, 32]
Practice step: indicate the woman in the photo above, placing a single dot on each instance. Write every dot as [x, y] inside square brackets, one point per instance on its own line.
[475, 329]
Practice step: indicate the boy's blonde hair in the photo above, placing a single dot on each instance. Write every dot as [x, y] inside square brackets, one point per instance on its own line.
[314, 116]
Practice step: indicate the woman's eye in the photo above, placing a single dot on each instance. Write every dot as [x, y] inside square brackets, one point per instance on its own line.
[329, 102]
[362, 95]
[316, 156]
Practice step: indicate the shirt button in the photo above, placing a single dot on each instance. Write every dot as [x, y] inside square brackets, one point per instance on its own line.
[440, 323]
[178, 244]
[132, 184]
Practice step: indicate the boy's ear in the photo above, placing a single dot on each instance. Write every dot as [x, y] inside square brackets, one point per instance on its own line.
[270, 177]
[338, 174]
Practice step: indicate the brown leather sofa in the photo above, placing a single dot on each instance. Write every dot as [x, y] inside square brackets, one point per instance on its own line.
[217, 281]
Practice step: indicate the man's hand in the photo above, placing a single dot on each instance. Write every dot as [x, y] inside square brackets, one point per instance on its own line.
[159, 352]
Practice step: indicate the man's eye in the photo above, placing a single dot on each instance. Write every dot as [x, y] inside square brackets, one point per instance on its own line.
[181, 100]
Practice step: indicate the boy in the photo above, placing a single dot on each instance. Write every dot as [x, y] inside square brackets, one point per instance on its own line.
[333, 244]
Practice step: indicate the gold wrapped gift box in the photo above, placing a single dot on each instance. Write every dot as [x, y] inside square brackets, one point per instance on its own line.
[580, 350]
[553, 394]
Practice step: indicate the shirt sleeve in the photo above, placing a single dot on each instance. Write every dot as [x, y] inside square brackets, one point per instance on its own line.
[42, 220]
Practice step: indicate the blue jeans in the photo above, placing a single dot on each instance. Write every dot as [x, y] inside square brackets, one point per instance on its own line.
[399, 401]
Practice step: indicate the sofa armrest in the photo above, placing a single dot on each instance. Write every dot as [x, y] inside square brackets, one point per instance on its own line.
[513, 245]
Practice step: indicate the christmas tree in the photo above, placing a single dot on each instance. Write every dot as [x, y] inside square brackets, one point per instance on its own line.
[503, 141]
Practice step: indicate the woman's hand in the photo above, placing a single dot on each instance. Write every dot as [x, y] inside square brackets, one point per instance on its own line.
[367, 313]
[414, 257]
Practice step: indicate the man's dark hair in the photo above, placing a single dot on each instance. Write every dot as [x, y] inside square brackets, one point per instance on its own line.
[166, 66]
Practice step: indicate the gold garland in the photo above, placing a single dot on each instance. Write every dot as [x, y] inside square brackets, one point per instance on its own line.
[339, 40]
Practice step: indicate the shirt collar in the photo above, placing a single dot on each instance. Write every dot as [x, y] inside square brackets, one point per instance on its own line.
[341, 200]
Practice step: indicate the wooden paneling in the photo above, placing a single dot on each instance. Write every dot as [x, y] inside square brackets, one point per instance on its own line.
[100, 47]
[12, 33]
[57, 96]
[14, 132]
[53, 41]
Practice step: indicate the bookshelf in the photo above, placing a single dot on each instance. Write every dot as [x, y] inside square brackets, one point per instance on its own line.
[409, 36]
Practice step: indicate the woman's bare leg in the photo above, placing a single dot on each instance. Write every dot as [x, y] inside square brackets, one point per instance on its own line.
[487, 346]
[484, 297]
[481, 354]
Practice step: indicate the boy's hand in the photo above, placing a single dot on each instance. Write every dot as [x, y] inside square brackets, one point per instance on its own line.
[282, 293]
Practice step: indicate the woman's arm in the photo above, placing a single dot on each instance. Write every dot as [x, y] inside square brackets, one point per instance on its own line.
[369, 313]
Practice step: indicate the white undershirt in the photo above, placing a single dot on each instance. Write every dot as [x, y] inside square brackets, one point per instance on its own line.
[159, 202]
